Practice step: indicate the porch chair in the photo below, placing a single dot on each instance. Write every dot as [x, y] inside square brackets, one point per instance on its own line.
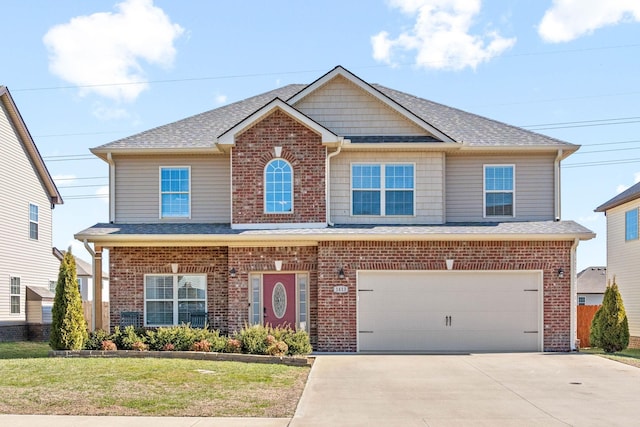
[199, 319]
[130, 318]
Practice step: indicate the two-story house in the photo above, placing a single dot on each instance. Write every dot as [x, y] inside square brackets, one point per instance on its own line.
[373, 219]
[623, 252]
[28, 194]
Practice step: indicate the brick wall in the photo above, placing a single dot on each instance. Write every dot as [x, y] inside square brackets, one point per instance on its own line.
[128, 265]
[14, 332]
[247, 260]
[337, 312]
[634, 342]
[301, 147]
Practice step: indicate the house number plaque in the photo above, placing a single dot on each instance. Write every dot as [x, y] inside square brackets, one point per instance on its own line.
[340, 289]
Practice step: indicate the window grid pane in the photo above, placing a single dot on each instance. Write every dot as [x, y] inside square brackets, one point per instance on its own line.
[399, 203]
[366, 202]
[631, 225]
[255, 300]
[174, 188]
[498, 182]
[278, 187]
[15, 295]
[382, 190]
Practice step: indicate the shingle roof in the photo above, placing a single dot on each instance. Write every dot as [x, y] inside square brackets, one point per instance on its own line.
[201, 131]
[592, 280]
[514, 230]
[628, 195]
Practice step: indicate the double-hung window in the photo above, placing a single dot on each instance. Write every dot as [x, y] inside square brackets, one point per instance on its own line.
[33, 221]
[14, 295]
[170, 299]
[499, 190]
[278, 194]
[631, 225]
[175, 192]
[382, 189]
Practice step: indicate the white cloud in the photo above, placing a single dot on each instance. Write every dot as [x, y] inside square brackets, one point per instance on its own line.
[569, 19]
[220, 99]
[103, 192]
[108, 48]
[622, 187]
[105, 113]
[62, 180]
[441, 36]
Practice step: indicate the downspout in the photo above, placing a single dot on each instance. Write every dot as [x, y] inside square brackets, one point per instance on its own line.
[574, 310]
[557, 199]
[327, 171]
[93, 275]
[112, 186]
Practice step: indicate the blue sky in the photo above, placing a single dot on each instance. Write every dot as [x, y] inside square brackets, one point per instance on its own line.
[87, 73]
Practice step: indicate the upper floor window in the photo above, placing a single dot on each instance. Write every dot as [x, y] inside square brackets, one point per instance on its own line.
[14, 295]
[382, 189]
[33, 221]
[499, 188]
[52, 286]
[582, 300]
[278, 194]
[631, 225]
[175, 189]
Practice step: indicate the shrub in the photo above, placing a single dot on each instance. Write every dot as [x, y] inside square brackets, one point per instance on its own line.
[125, 339]
[254, 339]
[95, 339]
[610, 328]
[298, 342]
[168, 347]
[233, 346]
[108, 345]
[139, 346]
[68, 327]
[278, 348]
[202, 345]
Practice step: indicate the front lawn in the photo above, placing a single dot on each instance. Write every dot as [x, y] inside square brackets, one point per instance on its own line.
[32, 384]
[630, 356]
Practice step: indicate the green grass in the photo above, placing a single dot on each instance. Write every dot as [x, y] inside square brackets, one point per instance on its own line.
[628, 352]
[33, 384]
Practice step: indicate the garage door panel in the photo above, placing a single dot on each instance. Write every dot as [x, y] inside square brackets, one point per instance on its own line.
[449, 311]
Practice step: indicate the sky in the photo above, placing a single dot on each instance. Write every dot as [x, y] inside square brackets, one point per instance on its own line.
[85, 73]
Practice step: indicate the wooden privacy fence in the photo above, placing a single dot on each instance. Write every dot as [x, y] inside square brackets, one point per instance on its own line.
[585, 316]
[87, 308]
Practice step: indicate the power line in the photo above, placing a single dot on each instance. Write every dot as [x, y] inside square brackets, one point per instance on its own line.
[82, 186]
[76, 178]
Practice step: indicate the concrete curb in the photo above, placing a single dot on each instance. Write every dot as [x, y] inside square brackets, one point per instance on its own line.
[191, 355]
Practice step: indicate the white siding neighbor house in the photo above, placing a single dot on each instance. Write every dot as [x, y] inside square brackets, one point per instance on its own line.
[623, 253]
[28, 196]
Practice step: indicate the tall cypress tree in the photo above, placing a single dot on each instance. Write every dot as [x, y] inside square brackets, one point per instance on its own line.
[610, 328]
[68, 327]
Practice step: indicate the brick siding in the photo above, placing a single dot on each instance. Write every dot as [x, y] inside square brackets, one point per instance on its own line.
[14, 333]
[128, 265]
[301, 147]
[634, 342]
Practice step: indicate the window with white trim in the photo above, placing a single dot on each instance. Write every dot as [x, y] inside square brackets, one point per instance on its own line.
[170, 299]
[33, 221]
[278, 191]
[14, 295]
[175, 192]
[382, 189]
[499, 190]
[582, 300]
[52, 286]
[631, 225]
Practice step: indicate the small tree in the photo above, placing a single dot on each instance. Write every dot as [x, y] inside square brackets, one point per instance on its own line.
[610, 328]
[68, 327]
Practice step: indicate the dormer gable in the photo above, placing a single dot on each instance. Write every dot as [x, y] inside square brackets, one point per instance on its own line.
[351, 107]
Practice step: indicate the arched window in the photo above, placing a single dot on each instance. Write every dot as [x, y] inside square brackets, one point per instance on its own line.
[278, 194]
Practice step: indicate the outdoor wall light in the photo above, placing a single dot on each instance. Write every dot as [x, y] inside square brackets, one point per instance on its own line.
[232, 272]
[561, 273]
[341, 273]
[174, 268]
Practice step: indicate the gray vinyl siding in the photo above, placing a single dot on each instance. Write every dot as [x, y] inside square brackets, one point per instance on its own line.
[31, 260]
[622, 263]
[534, 186]
[137, 192]
[428, 193]
[346, 109]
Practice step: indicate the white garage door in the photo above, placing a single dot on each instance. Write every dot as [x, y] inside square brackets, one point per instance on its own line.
[449, 311]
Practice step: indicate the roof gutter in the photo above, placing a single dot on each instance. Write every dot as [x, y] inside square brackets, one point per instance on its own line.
[327, 177]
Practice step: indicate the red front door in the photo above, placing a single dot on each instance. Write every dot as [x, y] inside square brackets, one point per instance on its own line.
[279, 299]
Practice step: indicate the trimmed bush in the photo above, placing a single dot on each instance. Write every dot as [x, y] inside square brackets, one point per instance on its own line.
[254, 339]
[233, 346]
[68, 327]
[610, 328]
[125, 339]
[95, 339]
[108, 345]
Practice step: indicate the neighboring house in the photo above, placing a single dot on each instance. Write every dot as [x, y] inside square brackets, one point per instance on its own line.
[623, 253]
[592, 282]
[373, 219]
[84, 273]
[28, 196]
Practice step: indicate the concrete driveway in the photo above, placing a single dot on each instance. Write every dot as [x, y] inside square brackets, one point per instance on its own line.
[531, 389]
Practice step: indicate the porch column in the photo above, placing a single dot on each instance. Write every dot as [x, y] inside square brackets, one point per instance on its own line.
[97, 289]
